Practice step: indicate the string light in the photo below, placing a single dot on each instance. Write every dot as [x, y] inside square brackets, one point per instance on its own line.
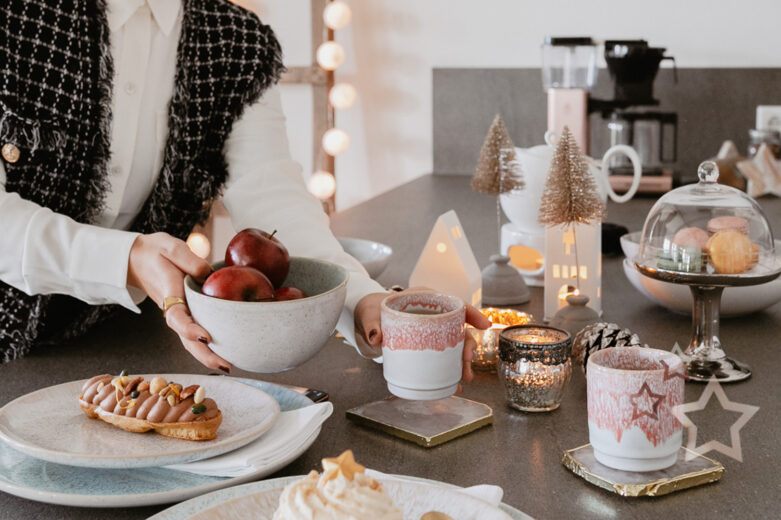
[199, 244]
[342, 96]
[337, 15]
[335, 141]
[322, 185]
[330, 55]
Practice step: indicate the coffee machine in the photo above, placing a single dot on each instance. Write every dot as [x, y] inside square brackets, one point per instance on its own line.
[633, 66]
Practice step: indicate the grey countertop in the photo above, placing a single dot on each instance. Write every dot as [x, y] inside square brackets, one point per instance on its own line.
[520, 452]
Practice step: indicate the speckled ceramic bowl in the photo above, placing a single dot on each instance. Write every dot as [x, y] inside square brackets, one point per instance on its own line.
[269, 337]
[373, 256]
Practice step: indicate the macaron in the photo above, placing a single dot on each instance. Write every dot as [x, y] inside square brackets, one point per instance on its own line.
[691, 237]
[731, 252]
[728, 222]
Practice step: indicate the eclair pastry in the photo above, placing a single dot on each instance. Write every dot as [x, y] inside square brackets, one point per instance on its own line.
[136, 405]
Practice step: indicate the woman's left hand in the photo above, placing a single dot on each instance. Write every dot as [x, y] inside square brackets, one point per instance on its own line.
[367, 324]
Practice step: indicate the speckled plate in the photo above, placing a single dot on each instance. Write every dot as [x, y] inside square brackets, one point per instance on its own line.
[49, 425]
[258, 501]
[34, 479]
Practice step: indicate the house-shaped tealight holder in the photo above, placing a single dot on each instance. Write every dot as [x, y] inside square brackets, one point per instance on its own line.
[447, 263]
[564, 273]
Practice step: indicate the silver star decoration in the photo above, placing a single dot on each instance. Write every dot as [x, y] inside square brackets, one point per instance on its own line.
[747, 411]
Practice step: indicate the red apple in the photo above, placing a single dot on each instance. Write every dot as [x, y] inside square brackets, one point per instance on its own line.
[238, 283]
[289, 293]
[255, 248]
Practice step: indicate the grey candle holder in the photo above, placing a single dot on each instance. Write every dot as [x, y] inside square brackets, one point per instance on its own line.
[503, 284]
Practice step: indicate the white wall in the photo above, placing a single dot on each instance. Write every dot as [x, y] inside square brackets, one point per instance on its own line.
[392, 46]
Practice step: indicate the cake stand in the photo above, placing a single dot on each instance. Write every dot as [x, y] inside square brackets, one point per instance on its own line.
[705, 357]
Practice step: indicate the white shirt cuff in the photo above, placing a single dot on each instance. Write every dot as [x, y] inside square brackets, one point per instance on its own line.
[98, 267]
[359, 286]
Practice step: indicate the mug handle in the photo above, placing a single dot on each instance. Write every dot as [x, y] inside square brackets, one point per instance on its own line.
[551, 138]
[637, 173]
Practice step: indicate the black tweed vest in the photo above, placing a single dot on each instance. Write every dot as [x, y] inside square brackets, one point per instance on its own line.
[55, 86]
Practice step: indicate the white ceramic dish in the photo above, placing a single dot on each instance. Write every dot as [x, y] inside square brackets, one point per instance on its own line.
[373, 256]
[269, 337]
[735, 301]
[42, 481]
[49, 425]
[258, 501]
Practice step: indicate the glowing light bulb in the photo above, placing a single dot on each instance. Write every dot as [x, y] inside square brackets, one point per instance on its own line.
[330, 55]
[335, 141]
[441, 247]
[199, 244]
[337, 15]
[322, 184]
[342, 96]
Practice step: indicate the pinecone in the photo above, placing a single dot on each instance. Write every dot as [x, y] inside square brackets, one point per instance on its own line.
[598, 336]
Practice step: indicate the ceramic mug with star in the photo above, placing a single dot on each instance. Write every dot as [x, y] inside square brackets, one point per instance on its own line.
[631, 395]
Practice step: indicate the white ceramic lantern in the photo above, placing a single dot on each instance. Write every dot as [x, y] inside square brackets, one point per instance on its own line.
[567, 273]
[447, 263]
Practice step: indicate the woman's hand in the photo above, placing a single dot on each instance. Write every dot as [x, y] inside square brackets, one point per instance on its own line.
[157, 265]
[367, 324]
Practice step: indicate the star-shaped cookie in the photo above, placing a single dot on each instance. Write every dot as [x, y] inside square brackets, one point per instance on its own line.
[344, 465]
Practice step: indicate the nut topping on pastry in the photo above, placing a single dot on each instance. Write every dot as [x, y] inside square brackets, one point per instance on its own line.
[131, 404]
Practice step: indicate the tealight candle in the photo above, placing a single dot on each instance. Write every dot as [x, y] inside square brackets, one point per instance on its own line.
[487, 350]
[535, 366]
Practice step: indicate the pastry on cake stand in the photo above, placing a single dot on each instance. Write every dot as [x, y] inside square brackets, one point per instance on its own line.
[708, 236]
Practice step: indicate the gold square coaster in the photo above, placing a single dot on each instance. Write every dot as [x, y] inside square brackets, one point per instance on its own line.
[427, 423]
[681, 475]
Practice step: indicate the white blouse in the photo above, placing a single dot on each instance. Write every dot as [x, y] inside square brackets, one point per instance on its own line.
[42, 252]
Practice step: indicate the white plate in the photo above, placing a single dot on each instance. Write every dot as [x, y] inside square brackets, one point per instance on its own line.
[49, 425]
[35, 479]
[258, 501]
[735, 301]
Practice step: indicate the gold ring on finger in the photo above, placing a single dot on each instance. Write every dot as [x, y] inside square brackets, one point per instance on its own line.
[170, 301]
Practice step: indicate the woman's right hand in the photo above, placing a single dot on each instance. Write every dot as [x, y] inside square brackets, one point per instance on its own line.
[157, 265]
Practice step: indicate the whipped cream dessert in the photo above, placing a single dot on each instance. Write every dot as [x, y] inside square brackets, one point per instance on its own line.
[342, 492]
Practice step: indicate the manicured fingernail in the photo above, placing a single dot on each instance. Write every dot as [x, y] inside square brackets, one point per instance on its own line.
[203, 340]
[225, 369]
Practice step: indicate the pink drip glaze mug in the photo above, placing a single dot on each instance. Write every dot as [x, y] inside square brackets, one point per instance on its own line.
[422, 344]
[631, 394]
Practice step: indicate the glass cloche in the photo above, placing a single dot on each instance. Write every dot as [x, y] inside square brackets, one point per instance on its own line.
[708, 236]
[708, 230]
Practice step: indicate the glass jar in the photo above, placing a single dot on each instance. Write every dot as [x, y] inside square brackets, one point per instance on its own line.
[772, 138]
[534, 366]
[487, 348]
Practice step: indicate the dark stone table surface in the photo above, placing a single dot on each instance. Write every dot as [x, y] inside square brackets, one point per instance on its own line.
[520, 452]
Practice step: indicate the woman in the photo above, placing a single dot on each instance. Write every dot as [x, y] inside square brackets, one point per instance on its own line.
[120, 122]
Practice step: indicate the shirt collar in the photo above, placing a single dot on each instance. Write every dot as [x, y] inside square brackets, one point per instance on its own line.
[165, 12]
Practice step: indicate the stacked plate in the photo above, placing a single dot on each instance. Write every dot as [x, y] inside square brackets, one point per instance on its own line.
[51, 452]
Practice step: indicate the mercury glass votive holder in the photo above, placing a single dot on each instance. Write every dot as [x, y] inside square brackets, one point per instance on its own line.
[534, 366]
[487, 349]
